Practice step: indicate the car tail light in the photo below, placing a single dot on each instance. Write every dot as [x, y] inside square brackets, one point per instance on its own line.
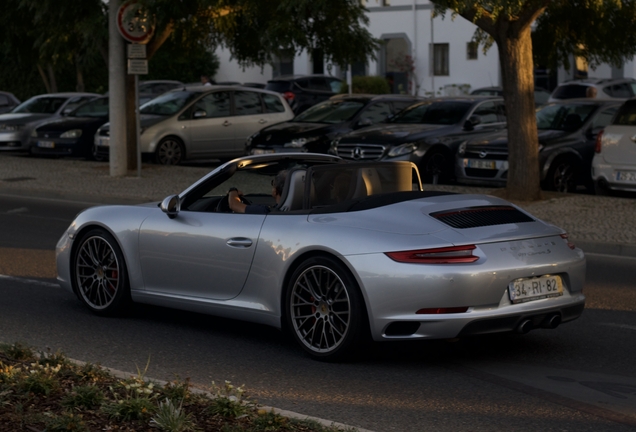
[289, 96]
[566, 238]
[599, 139]
[446, 255]
[437, 311]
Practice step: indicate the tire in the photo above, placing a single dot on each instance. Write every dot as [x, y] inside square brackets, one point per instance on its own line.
[100, 277]
[435, 167]
[324, 310]
[170, 151]
[563, 175]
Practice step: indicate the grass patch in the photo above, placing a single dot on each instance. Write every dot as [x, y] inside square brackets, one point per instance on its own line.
[45, 391]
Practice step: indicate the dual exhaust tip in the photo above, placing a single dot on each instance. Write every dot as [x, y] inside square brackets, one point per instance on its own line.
[551, 321]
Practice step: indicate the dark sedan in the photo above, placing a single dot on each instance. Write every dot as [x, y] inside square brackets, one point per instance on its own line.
[567, 135]
[427, 133]
[71, 135]
[314, 129]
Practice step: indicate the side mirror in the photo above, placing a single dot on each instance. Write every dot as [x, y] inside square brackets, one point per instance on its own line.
[472, 121]
[199, 114]
[171, 206]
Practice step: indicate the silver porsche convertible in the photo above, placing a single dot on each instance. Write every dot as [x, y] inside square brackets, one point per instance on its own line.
[348, 253]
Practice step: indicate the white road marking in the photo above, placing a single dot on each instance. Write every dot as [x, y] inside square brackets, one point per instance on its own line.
[624, 326]
[30, 281]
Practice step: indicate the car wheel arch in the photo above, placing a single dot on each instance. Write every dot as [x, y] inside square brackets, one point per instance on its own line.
[297, 262]
[559, 154]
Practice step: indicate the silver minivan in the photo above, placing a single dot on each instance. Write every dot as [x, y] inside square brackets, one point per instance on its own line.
[203, 122]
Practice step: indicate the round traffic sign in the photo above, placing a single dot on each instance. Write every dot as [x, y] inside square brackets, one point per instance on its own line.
[135, 24]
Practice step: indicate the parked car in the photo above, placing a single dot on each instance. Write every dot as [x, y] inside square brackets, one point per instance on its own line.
[606, 88]
[304, 91]
[427, 133]
[614, 162]
[541, 95]
[314, 129]
[7, 102]
[202, 122]
[567, 135]
[71, 135]
[16, 126]
[327, 271]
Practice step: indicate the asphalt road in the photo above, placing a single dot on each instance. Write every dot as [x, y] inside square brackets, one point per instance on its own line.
[579, 377]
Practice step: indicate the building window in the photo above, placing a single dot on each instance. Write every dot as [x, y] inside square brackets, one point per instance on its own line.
[283, 64]
[440, 59]
[318, 61]
[471, 50]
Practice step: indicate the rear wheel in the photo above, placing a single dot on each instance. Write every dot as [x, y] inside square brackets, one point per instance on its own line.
[99, 273]
[170, 151]
[324, 309]
[563, 175]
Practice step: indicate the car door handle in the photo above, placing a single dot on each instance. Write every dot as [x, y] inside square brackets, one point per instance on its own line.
[262, 121]
[239, 242]
[227, 123]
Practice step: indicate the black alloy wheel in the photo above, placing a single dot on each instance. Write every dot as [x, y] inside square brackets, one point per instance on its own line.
[324, 309]
[562, 175]
[100, 278]
[435, 167]
[170, 151]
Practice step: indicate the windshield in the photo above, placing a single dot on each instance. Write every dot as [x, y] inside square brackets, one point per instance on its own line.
[41, 105]
[330, 112]
[437, 113]
[94, 108]
[169, 103]
[568, 117]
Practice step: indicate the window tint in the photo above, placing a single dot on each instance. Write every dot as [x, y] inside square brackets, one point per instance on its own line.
[273, 103]
[320, 84]
[376, 112]
[41, 105]
[604, 118]
[620, 91]
[570, 91]
[215, 105]
[168, 103]
[304, 83]
[4, 101]
[487, 111]
[75, 102]
[95, 108]
[564, 117]
[541, 97]
[626, 114]
[440, 113]
[330, 112]
[399, 106]
[247, 102]
[278, 86]
[335, 85]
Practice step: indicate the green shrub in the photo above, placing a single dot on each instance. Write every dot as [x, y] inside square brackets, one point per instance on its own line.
[368, 85]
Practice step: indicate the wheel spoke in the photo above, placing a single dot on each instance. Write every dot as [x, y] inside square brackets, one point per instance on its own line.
[97, 272]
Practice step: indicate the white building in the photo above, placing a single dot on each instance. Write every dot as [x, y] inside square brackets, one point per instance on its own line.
[444, 59]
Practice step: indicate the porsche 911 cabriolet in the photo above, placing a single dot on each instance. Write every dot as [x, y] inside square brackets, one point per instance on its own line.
[349, 253]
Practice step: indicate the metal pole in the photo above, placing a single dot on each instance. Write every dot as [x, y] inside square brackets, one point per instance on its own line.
[138, 125]
[432, 54]
[116, 94]
[349, 79]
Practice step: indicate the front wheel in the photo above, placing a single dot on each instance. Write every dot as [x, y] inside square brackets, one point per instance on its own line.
[324, 309]
[435, 167]
[99, 273]
[170, 151]
[562, 176]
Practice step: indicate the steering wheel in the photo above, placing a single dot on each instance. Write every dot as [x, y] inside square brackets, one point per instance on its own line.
[223, 206]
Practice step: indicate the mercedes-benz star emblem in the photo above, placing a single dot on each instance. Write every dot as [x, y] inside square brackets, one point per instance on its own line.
[357, 153]
[483, 154]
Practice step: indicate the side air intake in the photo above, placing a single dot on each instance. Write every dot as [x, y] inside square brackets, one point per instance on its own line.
[474, 217]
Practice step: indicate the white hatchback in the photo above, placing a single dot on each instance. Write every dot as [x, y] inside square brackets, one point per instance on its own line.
[614, 163]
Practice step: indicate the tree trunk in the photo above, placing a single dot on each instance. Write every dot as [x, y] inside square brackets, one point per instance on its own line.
[80, 77]
[52, 81]
[517, 71]
[45, 80]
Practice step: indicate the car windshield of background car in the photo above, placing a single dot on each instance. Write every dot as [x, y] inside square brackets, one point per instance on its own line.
[330, 112]
[95, 108]
[43, 105]
[570, 91]
[560, 117]
[168, 103]
[437, 113]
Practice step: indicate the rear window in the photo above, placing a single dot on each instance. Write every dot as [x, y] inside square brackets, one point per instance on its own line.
[278, 86]
[570, 91]
[626, 114]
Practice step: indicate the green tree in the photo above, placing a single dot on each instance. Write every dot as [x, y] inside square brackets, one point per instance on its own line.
[598, 30]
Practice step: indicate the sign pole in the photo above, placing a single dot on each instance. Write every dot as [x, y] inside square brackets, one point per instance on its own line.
[138, 125]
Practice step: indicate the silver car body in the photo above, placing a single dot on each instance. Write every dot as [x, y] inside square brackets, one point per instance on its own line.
[16, 126]
[239, 265]
[202, 134]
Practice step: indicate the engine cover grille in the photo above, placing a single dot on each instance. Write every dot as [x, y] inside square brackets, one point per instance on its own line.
[475, 217]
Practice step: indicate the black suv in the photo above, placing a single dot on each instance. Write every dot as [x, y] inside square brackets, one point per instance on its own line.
[303, 91]
[314, 129]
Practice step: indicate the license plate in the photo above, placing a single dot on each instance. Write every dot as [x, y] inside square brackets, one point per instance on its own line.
[46, 144]
[528, 289]
[102, 142]
[626, 176]
[480, 164]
